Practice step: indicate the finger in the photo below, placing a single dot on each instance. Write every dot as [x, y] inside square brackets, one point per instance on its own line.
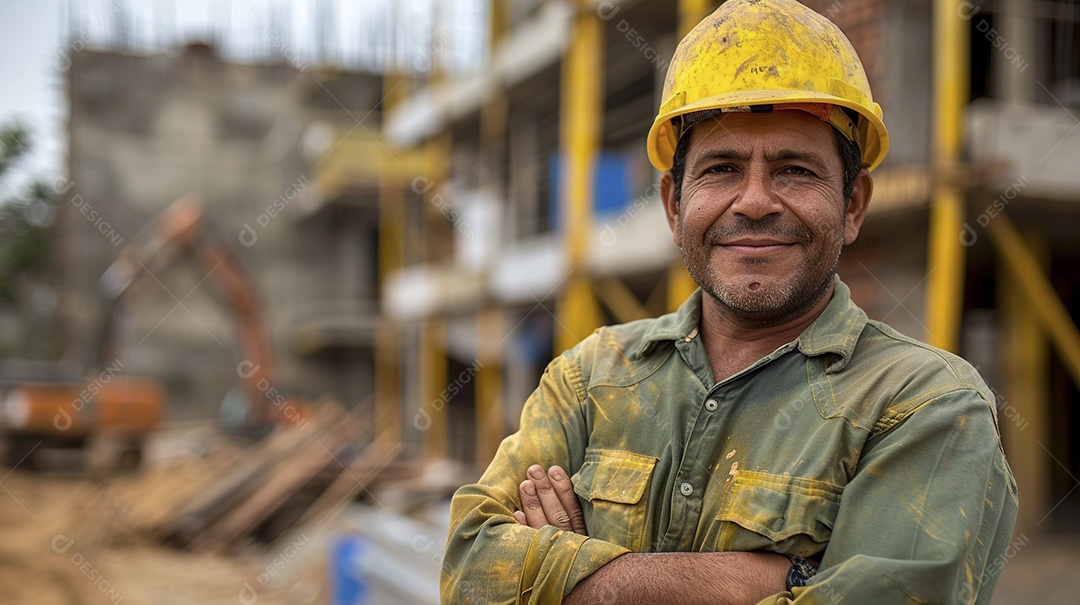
[554, 511]
[520, 517]
[564, 489]
[530, 505]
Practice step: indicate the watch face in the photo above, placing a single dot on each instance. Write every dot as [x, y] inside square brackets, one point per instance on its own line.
[800, 572]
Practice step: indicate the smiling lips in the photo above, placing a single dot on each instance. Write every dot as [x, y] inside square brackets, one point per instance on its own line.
[756, 245]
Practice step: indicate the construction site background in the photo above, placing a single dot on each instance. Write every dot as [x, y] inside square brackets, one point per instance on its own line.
[431, 200]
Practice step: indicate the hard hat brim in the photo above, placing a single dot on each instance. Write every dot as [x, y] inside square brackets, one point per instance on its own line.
[662, 140]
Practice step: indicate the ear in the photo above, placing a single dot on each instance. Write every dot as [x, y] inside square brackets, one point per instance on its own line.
[856, 211]
[671, 205]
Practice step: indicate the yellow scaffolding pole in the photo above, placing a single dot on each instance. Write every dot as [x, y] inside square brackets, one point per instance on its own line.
[1023, 266]
[581, 108]
[1025, 411]
[945, 258]
[489, 412]
[391, 255]
[489, 400]
[387, 350]
[680, 284]
[620, 300]
[432, 415]
[498, 23]
[433, 366]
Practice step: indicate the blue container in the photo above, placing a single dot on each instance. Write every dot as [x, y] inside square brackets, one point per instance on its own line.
[347, 583]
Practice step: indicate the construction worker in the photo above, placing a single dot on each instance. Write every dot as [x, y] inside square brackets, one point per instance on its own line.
[766, 442]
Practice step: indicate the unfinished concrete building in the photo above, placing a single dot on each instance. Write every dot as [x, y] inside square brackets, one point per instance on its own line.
[263, 146]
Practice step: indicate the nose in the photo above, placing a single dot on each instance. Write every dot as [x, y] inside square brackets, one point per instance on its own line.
[758, 198]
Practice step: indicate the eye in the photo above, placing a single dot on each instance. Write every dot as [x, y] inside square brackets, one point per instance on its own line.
[719, 169]
[797, 171]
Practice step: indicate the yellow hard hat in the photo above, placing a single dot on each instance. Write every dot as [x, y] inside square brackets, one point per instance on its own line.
[767, 52]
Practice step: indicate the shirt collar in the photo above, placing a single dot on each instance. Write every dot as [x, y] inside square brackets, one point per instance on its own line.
[680, 325]
[835, 331]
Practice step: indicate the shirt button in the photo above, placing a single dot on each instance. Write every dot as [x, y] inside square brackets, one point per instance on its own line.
[686, 489]
[711, 405]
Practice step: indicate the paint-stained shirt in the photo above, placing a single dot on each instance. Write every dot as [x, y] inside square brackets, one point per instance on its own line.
[854, 444]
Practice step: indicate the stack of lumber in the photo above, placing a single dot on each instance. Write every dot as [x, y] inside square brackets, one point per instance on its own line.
[298, 474]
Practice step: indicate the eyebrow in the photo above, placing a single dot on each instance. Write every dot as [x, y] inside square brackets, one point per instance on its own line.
[708, 157]
[721, 154]
[791, 154]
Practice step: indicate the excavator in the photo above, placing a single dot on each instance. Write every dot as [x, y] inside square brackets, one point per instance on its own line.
[113, 411]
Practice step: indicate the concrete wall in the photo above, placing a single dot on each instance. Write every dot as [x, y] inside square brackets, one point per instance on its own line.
[145, 130]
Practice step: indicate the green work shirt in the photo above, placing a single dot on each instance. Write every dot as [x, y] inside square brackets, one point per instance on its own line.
[854, 444]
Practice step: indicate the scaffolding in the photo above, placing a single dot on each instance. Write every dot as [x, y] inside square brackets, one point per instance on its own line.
[506, 248]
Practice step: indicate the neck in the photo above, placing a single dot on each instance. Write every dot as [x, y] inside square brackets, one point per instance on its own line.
[733, 344]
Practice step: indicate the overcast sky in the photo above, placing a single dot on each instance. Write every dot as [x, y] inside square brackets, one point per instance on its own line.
[34, 37]
[29, 35]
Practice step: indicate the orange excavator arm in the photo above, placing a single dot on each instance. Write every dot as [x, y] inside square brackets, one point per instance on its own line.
[182, 231]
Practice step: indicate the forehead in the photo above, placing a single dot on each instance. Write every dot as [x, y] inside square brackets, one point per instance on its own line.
[789, 130]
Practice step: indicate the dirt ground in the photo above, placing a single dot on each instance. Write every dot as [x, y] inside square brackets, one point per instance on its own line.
[85, 540]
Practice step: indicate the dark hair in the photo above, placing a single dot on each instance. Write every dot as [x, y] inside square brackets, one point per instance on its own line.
[849, 155]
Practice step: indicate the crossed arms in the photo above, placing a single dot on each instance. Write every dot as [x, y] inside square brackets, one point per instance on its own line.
[548, 499]
[926, 516]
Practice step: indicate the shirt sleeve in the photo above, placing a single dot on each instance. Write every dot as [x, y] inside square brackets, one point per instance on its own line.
[490, 558]
[928, 515]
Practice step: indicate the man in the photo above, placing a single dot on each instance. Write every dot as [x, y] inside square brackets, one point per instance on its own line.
[765, 443]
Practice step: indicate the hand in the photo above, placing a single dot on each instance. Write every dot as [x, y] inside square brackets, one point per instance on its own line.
[549, 499]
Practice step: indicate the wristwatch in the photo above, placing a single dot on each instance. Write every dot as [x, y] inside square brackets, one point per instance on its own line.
[801, 571]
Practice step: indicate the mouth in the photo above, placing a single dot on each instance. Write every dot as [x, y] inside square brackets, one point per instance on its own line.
[757, 245]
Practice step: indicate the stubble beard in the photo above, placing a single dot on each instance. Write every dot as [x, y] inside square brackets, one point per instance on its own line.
[766, 304]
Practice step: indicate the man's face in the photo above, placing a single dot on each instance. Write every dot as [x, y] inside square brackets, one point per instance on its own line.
[762, 218]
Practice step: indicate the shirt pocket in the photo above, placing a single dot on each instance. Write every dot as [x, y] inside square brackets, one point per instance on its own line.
[782, 513]
[613, 485]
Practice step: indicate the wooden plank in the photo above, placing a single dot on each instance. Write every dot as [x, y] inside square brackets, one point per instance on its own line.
[359, 474]
[290, 477]
[220, 494]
